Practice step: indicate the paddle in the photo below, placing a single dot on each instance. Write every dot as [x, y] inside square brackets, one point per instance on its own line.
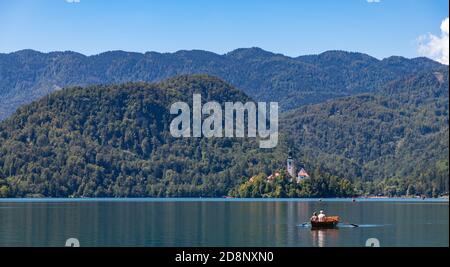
[352, 224]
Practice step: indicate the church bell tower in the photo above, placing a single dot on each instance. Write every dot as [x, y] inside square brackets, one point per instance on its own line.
[290, 165]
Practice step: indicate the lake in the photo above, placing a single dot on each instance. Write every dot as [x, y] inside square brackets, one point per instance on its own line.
[221, 222]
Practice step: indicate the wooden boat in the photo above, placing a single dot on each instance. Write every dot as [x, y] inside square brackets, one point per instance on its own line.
[330, 222]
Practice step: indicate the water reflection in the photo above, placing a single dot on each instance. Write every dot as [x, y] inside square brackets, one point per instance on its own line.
[324, 237]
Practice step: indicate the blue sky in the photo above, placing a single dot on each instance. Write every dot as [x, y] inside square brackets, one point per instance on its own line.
[381, 29]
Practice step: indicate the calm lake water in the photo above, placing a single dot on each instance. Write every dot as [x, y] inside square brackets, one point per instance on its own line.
[219, 222]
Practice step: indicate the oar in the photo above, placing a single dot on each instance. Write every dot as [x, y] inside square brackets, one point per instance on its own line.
[303, 224]
[352, 224]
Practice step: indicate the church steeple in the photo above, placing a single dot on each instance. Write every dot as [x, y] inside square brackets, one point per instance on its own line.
[290, 165]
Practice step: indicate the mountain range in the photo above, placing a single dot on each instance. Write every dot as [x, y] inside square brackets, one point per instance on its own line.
[28, 75]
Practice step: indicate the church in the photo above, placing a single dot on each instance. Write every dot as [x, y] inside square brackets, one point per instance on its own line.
[302, 174]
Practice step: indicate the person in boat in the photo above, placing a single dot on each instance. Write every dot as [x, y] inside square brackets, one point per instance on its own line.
[321, 217]
[314, 217]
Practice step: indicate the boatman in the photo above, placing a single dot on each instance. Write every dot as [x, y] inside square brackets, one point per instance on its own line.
[321, 216]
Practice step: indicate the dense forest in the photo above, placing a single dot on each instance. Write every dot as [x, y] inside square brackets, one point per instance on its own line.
[397, 138]
[114, 141]
[28, 75]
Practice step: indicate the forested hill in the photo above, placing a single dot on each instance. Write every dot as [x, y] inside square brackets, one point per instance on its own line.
[28, 75]
[114, 141]
[399, 135]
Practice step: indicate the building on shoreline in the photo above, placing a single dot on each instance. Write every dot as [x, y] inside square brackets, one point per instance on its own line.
[290, 168]
[302, 174]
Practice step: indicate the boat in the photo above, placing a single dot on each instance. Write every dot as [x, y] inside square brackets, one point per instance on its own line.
[330, 222]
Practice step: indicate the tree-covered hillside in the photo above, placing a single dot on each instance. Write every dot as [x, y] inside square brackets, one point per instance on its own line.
[114, 141]
[399, 133]
[27, 75]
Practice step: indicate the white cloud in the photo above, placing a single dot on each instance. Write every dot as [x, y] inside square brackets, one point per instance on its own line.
[373, 1]
[436, 47]
[72, 1]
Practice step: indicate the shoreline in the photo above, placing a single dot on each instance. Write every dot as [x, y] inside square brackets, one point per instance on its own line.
[199, 199]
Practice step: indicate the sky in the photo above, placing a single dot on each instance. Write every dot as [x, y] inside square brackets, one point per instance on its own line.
[380, 28]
